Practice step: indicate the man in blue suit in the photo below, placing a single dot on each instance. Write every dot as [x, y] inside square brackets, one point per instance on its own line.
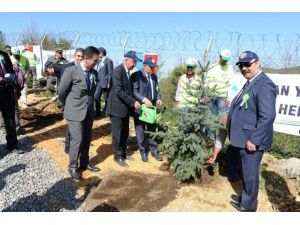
[250, 124]
[104, 68]
[146, 92]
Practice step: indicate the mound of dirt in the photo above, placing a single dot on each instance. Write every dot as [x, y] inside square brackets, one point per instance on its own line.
[132, 191]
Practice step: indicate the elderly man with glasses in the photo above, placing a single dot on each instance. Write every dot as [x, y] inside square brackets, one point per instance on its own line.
[120, 102]
[250, 126]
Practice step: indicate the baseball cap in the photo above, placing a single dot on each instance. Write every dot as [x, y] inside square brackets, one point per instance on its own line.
[191, 62]
[149, 61]
[132, 55]
[49, 64]
[225, 54]
[247, 56]
[59, 50]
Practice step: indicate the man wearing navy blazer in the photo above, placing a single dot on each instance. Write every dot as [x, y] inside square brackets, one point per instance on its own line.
[119, 104]
[250, 123]
[76, 92]
[105, 69]
[145, 90]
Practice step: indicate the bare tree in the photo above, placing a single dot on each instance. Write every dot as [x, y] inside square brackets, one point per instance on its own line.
[31, 35]
[2, 40]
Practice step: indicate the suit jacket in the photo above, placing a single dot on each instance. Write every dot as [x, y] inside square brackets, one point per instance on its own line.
[59, 68]
[74, 94]
[105, 72]
[6, 62]
[140, 88]
[255, 122]
[120, 98]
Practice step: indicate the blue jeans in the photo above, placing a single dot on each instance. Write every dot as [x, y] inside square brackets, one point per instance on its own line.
[218, 107]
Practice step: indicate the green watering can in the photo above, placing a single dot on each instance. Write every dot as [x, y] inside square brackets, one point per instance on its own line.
[149, 115]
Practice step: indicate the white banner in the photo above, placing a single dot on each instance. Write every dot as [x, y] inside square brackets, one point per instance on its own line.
[287, 102]
[42, 56]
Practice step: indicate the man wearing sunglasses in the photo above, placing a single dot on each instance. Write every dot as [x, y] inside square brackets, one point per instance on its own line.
[250, 125]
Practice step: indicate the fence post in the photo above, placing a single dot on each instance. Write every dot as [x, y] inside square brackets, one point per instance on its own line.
[41, 48]
[16, 41]
[125, 43]
[76, 40]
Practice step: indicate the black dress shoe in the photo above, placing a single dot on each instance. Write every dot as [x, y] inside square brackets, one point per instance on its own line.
[97, 114]
[19, 151]
[236, 198]
[128, 157]
[144, 157]
[121, 162]
[157, 156]
[75, 174]
[238, 207]
[233, 179]
[90, 167]
[103, 114]
[67, 150]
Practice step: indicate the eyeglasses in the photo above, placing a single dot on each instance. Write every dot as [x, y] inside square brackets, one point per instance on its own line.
[246, 64]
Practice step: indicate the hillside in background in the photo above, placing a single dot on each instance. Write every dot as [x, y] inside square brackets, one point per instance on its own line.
[292, 70]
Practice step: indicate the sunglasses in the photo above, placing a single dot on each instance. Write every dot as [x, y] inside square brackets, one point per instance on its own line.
[246, 64]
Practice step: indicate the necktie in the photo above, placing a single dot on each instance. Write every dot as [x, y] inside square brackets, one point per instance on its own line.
[87, 78]
[128, 75]
[241, 91]
[1, 71]
[149, 88]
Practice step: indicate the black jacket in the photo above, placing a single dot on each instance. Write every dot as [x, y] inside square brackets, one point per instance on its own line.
[120, 100]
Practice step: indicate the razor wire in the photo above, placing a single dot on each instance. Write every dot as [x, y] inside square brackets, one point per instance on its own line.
[275, 50]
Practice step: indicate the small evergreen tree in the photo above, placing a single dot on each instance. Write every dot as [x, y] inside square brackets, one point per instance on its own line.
[186, 141]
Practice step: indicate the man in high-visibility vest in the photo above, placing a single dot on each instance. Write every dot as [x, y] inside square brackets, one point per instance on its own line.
[29, 54]
[188, 84]
[219, 77]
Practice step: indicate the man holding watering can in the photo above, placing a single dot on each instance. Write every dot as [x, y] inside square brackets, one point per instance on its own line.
[145, 90]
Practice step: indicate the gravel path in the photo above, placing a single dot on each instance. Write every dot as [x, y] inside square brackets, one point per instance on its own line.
[31, 181]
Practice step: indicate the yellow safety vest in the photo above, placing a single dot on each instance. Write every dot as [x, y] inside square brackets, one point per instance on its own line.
[186, 93]
[31, 57]
[220, 77]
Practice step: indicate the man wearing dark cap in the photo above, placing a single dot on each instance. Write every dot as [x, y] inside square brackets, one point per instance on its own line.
[52, 78]
[104, 68]
[145, 91]
[250, 125]
[120, 102]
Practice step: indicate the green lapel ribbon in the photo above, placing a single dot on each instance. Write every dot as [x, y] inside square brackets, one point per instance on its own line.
[245, 100]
